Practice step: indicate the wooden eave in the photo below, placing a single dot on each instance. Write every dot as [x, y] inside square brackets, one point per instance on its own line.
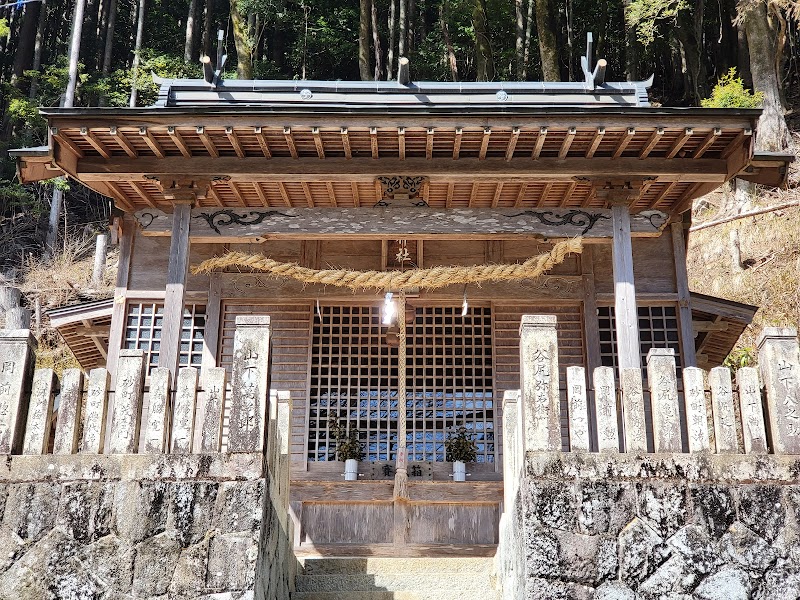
[85, 329]
[529, 159]
[718, 324]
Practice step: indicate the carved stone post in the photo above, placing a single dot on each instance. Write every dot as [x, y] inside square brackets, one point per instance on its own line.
[126, 420]
[694, 393]
[512, 448]
[40, 410]
[663, 382]
[605, 402]
[538, 347]
[17, 348]
[249, 391]
[753, 430]
[779, 362]
[211, 435]
[719, 379]
[69, 412]
[155, 435]
[183, 415]
[578, 409]
[633, 410]
[94, 428]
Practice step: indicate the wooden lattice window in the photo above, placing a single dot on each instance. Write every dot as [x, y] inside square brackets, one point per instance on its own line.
[143, 332]
[448, 380]
[658, 328]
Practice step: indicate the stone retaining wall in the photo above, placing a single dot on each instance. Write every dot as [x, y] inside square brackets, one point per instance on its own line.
[653, 526]
[137, 526]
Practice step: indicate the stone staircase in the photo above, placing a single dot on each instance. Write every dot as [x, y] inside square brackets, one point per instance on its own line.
[454, 578]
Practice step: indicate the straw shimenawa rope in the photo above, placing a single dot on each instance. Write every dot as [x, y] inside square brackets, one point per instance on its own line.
[433, 278]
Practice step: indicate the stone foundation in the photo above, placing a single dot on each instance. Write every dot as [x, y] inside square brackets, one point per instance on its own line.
[653, 526]
[138, 526]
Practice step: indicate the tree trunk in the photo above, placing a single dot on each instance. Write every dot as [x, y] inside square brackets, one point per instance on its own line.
[108, 52]
[450, 55]
[631, 49]
[743, 57]
[376, 41]
[244, 55]
[191, 32]
[689, 23]
[528, 34]
[484, 64]
[412, 15]
[519, 38]
[392, 39]
[207, 24]
[37, 52]
[402, 30]
[548, 44]
[773, 134]
[137, 51]
[23, 58]
[364, 16]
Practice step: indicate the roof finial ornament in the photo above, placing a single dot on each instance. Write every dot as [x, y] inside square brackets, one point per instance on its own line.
[403, 76]
[597, 76]
[213, 74]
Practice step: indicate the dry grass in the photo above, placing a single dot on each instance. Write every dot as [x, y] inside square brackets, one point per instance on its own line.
[67, 277]
[770, 245]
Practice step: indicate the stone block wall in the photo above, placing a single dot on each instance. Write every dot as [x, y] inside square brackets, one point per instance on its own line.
[671, 526]
[142, 526]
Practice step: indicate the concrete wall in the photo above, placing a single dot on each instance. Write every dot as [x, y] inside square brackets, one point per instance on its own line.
[137, 526]
[654, 526]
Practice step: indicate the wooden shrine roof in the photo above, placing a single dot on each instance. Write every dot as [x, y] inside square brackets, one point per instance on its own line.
[324, 144]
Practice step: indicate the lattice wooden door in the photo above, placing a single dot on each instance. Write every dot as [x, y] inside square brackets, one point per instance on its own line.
[449, 381]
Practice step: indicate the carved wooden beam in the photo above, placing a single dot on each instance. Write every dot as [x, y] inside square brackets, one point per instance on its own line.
[229, 225]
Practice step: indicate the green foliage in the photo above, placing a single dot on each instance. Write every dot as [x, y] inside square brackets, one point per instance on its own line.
[741, 357]
[347, 443]
[4, 30]
[460, 445]
[117, 87]
[731, 93]
[645, 16]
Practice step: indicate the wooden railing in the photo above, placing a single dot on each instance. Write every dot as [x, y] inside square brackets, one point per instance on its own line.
[93, 416]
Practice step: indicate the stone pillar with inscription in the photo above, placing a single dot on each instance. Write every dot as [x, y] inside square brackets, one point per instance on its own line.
[183, 415]
[538, 348]
[605, 402]
[719, 380]
[155, 434]
[127, 415]
[694, 393]
[69, 412]
[663, 382]
[211, 434]
[512, 448]
[17, 347]
[779, 362]
[94, 427]
[40, 409]
[633, 416]
[249, 393]
[754, 433]
[578, 409]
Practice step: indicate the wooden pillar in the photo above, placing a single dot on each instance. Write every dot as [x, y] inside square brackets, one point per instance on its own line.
[625, 314]
[688, 355]
[177, 271]
[128, 227]
[591, 325]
